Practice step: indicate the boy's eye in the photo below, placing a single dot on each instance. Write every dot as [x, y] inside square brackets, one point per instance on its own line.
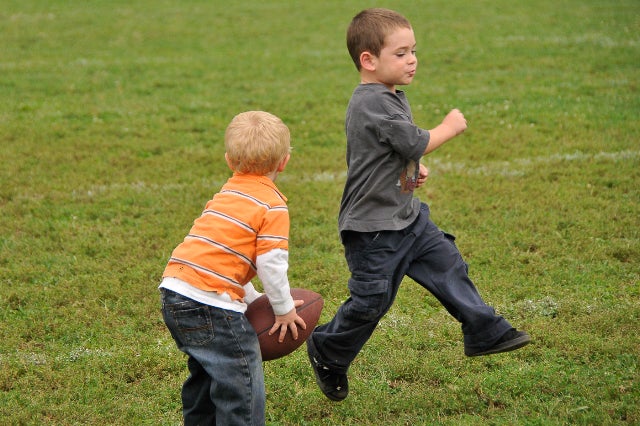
[401, 54]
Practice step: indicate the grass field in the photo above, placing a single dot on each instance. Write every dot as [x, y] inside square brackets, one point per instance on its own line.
[111, 126]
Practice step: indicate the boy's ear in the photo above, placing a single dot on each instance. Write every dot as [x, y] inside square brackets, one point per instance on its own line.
[368, 61]
[283, 163]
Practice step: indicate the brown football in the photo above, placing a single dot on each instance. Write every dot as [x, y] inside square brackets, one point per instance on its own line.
[261, 316]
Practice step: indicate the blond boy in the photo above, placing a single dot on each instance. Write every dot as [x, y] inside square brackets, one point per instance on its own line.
[242, 232]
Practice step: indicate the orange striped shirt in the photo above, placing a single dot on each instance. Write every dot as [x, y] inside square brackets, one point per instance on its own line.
[247, 218]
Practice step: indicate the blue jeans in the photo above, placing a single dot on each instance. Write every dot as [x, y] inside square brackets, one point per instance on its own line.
[226, 384]
[378, 262]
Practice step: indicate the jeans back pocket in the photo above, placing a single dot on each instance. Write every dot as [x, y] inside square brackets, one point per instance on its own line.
[193, 325]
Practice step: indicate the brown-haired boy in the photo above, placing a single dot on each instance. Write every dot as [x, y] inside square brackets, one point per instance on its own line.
[387, 232]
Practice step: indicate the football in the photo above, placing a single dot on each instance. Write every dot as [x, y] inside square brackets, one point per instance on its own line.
[261, 316]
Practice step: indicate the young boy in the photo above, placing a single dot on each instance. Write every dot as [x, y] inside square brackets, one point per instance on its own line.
[386, 232]
[243, 231]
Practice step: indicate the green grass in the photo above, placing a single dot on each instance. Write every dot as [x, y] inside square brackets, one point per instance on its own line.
[111, 127]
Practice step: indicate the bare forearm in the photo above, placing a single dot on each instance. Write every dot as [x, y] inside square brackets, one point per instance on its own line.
[452, 125]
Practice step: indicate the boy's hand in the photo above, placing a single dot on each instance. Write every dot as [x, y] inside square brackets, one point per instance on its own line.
[423, 174]
[289, 321]
[455, 121]
[452, 125]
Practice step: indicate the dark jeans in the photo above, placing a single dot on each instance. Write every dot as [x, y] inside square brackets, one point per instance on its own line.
[226, 384]
[378, 261]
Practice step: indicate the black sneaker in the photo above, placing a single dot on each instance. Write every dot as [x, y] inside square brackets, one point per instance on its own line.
[335, 386]
[511, 340]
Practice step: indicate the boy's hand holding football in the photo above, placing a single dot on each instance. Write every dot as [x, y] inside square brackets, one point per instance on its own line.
[289, 321]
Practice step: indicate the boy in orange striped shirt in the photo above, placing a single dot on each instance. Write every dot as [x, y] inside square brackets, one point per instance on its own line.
[242, 232]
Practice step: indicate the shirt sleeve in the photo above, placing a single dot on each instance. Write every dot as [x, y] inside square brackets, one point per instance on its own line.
[250, 293]
[274, 231]
[272, 271]
[404, 137]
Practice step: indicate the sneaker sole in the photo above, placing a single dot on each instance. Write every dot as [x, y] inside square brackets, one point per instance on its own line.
[511, 345]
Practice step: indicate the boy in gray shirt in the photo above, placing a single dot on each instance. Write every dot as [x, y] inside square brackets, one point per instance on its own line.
[387, 232]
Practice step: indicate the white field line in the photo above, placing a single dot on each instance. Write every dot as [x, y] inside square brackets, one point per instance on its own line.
[164, 345]
[511, 168]
[516, 167]
[520, 166]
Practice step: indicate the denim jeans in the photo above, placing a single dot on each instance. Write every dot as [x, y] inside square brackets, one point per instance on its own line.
[226, 381]
[378, 261]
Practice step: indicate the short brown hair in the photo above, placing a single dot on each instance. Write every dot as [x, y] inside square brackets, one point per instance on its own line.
[256, 142]
[368, 30]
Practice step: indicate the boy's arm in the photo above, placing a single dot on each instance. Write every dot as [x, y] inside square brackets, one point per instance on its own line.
[250, 293]
[272, 271]
[452, 125]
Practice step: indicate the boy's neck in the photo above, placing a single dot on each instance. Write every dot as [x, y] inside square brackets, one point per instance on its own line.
[273, 175]
[364, 80]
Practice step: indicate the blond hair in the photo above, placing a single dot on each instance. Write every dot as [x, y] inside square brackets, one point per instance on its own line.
[368, 30]
[256, 142]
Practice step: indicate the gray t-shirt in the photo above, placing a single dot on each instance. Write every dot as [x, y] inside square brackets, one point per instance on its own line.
[384, 148]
